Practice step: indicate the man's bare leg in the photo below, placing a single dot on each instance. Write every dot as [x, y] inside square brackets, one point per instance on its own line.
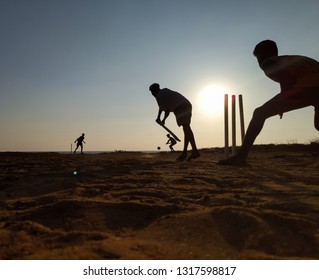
[189, 139]
[254, 128]
[281, 103]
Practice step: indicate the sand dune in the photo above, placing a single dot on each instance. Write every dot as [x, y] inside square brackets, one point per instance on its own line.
[147, 206]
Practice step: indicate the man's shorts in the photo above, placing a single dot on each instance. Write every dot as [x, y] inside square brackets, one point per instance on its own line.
[183, 114]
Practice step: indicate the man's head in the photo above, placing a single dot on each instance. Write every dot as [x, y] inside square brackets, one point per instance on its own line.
[265, 50]
[154, 88]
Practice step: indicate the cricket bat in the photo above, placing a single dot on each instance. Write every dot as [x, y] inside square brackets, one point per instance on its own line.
[170, 132]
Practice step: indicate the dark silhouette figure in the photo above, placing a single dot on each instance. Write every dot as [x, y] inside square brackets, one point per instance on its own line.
[298, 77]
[79, 143]
[171, 142]
[171, 101]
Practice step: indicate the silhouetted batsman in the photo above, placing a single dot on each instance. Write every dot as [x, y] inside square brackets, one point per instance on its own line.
[171, 101]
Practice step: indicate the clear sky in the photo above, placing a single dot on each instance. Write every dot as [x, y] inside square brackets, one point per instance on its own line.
[74, 66]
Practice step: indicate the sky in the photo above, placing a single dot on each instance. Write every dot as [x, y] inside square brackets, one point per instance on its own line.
[69, 67]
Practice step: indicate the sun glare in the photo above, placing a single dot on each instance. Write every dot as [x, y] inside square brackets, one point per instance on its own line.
[211, 99]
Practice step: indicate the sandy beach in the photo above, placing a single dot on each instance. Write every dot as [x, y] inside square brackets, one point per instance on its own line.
[148, 206]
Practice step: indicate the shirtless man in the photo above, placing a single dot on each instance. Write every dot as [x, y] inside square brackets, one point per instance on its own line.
[298, 77]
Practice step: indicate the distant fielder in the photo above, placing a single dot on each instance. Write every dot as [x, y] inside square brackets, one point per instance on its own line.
[79, 143]
[298, 77]
[171, 101]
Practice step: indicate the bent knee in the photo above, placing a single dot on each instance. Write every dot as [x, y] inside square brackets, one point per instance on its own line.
[260, 113]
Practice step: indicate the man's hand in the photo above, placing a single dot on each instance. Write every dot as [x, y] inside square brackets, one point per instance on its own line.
[160, 122]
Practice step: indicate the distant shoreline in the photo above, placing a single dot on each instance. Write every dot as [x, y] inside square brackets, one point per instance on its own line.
[257, 147]
[78, 153]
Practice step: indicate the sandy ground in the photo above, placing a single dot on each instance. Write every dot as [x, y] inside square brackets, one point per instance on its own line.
[147, 206]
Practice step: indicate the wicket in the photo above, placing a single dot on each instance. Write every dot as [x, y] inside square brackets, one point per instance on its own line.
[233, 120]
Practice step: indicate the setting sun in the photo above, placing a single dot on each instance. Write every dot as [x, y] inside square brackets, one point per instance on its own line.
[211, 99]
